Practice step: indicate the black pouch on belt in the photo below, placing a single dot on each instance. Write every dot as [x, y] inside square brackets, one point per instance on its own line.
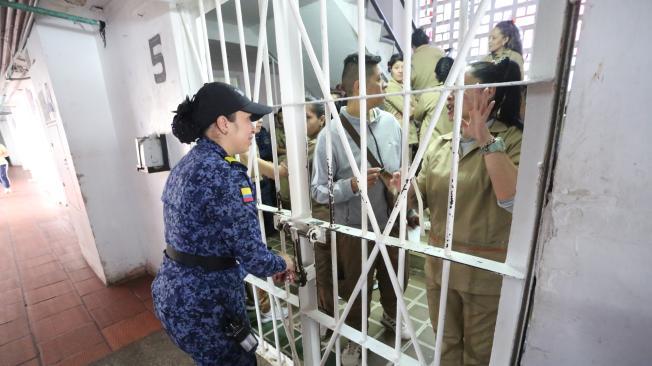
[241, 332]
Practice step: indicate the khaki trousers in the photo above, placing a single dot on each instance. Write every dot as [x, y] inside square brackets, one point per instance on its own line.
[349, 268]
[469, 324]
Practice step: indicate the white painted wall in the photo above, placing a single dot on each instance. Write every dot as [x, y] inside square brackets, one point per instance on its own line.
[141, 107]
[593, 294]
[75, 99]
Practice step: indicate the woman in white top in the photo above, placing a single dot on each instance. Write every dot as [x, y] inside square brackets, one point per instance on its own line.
[4, 165]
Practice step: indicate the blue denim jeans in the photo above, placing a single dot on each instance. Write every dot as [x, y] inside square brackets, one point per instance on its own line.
[4, 178]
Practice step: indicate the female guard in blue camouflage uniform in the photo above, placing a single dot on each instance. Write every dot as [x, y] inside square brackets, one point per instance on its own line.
[212, 229]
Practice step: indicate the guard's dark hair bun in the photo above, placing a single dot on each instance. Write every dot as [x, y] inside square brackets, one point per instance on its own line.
[183, 127]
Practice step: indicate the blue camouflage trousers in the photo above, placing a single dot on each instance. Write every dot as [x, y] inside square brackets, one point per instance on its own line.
[191, 304]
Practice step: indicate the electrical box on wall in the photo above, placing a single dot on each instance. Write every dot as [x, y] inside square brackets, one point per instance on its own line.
[152, 154]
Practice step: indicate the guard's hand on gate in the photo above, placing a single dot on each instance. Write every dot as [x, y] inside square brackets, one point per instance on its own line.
[285, 276]
[289, 262]
[289, 274]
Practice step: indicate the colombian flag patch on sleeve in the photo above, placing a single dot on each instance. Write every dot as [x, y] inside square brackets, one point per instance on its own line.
[247, 196]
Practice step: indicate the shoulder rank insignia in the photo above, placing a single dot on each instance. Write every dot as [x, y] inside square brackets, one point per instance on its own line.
[230, 159]
[247, 195]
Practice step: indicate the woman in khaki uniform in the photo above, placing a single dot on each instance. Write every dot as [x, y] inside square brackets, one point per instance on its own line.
[489, 157]
[394, 104]
[505, 42]
[428, 101]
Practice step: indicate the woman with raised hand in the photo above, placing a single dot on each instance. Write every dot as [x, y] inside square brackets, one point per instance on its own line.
[489, 155]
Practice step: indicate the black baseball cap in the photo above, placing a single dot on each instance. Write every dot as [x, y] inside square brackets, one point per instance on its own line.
[220, 99]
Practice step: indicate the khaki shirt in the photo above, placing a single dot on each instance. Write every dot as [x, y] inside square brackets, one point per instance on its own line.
[424, 111]
[506, 52]
[394, 105]
[481, 226]
[424, 60]
[280, 138]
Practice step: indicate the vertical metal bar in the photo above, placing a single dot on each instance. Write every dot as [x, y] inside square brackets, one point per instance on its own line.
[407, 73]
[362, 182]
[290, 64]
[262, 46]
[253, 161]
[289, 328]
[274, 73]
[202, 48]
[243, 48]
[272, 125]
[459, 97]
[220, 27]
[452, 194]
[259, 322]
[193, 47]
[553, 31]
[204, 35]
[325, 61]
[270, 100]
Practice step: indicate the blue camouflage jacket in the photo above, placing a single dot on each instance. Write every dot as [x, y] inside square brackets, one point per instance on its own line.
[209, 210]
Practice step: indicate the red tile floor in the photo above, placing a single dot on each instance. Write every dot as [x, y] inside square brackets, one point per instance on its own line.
[53, 308]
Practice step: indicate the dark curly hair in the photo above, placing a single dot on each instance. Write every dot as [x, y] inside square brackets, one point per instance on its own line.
[184, 125]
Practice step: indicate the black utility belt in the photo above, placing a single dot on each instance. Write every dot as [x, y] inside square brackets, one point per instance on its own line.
[209, 263]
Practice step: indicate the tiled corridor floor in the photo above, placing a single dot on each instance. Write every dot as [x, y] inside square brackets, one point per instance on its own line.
[53, 309]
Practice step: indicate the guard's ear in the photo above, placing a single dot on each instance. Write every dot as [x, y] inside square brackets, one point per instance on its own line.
[222, 124]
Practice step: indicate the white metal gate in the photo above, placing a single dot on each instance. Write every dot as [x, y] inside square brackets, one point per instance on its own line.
[292, 45]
